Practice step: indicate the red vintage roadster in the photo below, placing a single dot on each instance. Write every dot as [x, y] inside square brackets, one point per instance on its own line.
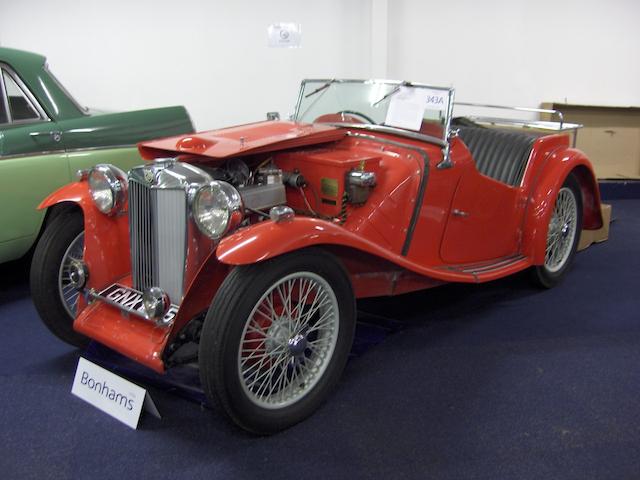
[253, 242]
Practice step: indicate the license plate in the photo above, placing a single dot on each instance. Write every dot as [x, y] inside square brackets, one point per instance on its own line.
[130, 300]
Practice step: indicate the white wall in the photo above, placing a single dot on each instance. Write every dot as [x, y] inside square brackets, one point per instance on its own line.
[210, 55]
[520, 52]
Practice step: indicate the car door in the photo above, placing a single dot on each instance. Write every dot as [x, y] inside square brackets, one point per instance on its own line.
[483, 220]
[33, 162]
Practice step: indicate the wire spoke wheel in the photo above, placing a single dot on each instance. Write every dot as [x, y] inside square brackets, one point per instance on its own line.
[276, 339]
[68, 293]
[563, 235]
[288, 340]
[562, 230]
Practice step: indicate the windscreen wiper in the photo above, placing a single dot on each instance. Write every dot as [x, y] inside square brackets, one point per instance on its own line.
[320, 88]
[392, 92]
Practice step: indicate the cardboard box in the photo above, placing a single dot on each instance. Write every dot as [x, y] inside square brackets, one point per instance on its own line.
[596, 236]
[610, 137]
[614, 152]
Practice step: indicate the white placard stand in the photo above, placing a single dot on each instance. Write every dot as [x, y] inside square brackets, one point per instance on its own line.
[112, 394]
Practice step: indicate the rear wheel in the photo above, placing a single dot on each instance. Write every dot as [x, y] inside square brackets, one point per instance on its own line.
[276, 339]
[565, 227]
[53, 294]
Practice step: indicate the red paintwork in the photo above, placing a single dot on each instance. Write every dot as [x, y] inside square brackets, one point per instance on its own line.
[137, 339]
[106, 253]
[243, 140]
[540, 205]
[106, 248]
[200, 292]
[504, 233]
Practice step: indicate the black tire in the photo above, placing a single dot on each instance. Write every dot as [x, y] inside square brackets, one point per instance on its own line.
[45, 269]
[544, 276]
[224, 327]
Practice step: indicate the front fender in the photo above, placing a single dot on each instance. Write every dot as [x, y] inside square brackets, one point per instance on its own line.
[269, 239]
[106, 240]
[77, 192]
[541, 202]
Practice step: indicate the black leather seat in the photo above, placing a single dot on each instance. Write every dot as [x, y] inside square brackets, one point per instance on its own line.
[499, 154]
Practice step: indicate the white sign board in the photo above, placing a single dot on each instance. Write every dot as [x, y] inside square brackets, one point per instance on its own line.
[407, 106]
[285, 35]
[110, 393]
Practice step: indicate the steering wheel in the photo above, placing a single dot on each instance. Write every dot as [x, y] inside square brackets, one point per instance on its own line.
[362, 115]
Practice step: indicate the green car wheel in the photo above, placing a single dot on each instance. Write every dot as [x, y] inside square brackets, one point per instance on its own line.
[52, 289]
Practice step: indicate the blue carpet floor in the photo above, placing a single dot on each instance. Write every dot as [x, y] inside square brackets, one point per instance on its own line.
[495, 381]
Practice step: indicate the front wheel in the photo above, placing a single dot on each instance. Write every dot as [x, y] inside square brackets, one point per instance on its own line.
[563, 234]
[276, 339]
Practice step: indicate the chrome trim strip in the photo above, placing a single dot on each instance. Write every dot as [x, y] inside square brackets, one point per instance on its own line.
[494, 266]
[519, 109]
[16, 78]
[33, 154]
[484, 267]
[392, 130]
[73, 150]
[4, 99]
[446, 157]
[375, 80]
[102, 147]
[421, 189]
[537, 124]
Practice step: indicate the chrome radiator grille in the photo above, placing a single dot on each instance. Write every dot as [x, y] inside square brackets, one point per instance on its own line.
[157, 228]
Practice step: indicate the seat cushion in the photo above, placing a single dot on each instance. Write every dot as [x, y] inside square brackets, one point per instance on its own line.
[499, 154]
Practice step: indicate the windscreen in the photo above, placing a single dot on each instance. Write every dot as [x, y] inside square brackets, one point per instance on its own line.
[394, 104]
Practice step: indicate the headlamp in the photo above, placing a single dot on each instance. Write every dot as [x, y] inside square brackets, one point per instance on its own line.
[155, 303]
[108, 187]
[217, 209]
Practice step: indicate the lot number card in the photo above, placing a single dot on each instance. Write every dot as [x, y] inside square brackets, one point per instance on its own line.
[111, 393]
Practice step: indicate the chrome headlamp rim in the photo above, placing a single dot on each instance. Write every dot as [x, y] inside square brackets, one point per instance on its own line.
[234, 208]
[118, 184]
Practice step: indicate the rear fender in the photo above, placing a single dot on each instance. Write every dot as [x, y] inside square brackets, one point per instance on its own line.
[106, 245]
[540, 206]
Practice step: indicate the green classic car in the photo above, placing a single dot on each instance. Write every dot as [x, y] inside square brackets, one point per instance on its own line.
[46, 137]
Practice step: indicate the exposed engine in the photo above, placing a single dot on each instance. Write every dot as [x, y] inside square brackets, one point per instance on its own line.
[260, 189]
[310, 182]
[314, 182]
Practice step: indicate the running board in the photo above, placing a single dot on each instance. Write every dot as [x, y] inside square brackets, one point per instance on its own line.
[491, 269]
